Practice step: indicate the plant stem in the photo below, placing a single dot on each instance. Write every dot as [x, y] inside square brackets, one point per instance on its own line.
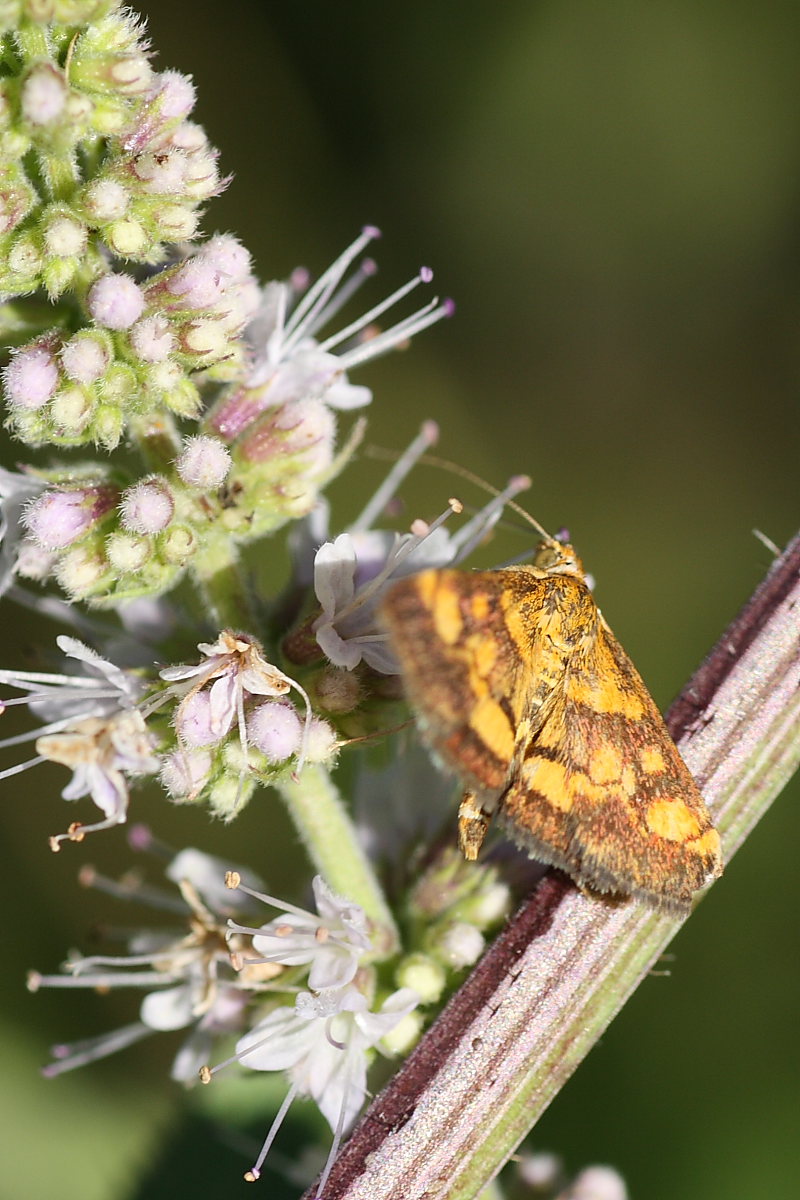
[329, 837]
[217, 573]
[564, 966]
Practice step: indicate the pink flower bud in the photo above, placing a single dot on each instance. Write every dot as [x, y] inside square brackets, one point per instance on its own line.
[32, 561]
[306, 427]
[116, 301]
[228, 255]
[58, 518]
[194, 721]
[188, 136]
[152, 338]
[204, 462]
[275, 729]
[64, 236]
[199, 283]
[31, 377]
[84, 358]
[161, 172]
[148, 506]
[106, 200]
[176, 95]
[184, 773]
[321, 744]
[44, 94]
[171, 98]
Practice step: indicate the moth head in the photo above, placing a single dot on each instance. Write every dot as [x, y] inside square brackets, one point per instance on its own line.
[558, 558]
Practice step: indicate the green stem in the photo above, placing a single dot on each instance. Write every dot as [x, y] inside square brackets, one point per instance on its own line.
[157, 439]
[330, 839]
[553, 980]
[217, 573]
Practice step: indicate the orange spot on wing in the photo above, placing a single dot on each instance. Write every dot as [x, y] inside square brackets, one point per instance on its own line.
[673, 820]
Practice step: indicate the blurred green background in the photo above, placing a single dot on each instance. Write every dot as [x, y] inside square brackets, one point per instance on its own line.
[611, 192]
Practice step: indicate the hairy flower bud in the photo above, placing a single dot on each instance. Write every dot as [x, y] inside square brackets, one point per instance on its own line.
[44, 94]
[60, 517]
[275, 729]
[148, 506]
[116, 301]
[203, 463]
[32, 375]
[85, 357]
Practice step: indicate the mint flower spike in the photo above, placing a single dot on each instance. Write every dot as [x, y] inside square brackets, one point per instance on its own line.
[333, 941]
[99, 156]
[94, 727]
[188, 976]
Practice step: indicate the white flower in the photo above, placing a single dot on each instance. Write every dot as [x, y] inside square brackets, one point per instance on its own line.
[93, 726]
[333, 941]
[235, 669]
[190, 981]
[347, 630]
[286, 353]
[101, 752]
[16, 491]
[323, 1044]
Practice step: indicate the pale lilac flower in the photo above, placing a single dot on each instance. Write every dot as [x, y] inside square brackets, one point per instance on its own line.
[31, 376]
[289, 363]
[93, 726]
[16, 493]
[323, 1044]
[116, 301]
[204, 462]
[148, 506]
[333, 941]
[188, 975]
[351, 572]
[60, 516]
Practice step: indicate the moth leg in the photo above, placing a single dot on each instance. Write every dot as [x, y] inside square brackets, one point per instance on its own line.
[473, 825]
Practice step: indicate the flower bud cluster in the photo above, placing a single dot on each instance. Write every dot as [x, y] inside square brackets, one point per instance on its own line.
[110, 542]
[453, 904]
[235, 726]
[139, 351]
[97, 151]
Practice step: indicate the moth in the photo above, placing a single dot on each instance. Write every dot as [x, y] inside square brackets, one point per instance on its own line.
[521, 688]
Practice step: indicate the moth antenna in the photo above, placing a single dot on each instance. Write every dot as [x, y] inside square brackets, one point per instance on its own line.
[768, 542]
[433, 460]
